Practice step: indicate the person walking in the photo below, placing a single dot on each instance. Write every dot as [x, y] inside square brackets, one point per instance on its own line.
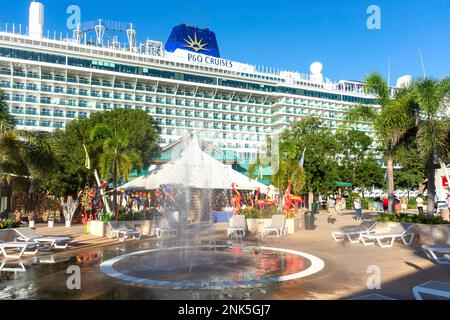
[358, 208]
[404, 204]
[338, 206]
[385, 204]
[331, 206]
[419, 202]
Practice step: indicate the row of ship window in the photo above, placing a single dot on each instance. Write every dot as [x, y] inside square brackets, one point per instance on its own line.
[179, 92]
[196, 104]
[135, 70]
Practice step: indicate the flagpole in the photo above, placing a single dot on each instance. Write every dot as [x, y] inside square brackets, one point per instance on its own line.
[97, 178]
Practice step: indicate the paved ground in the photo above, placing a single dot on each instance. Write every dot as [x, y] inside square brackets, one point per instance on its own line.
[345, 275]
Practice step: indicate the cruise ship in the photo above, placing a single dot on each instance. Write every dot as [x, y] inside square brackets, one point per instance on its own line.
[185, 84]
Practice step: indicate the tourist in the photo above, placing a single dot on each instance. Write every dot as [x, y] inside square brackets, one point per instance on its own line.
[358, 208]
[338, 206]
[404, 204]
[397, 206]
[419, 202]
[331, 206]
[386, 204]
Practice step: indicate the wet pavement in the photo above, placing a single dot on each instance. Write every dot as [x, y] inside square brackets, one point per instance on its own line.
[347, 272]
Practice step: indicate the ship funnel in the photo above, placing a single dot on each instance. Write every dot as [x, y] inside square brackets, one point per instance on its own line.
[36, 20]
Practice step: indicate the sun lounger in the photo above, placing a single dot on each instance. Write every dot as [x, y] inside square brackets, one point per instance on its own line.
[354, 235]
[439, 254]
[21, 249]
[387, 239]
[122, 232]
[20, 268]
[29, 235]
[374, 297]
[163, 227]
[434, 288]
[237, 226]
[278, 225]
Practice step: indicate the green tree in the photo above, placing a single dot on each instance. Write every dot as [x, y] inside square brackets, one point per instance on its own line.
[142, 136]
[115, 159]
[356, 160]
[320, 147]
[26, 158]
[432, 96]
[412, 172]
[290, 170]
[6, 119]
[391, 122]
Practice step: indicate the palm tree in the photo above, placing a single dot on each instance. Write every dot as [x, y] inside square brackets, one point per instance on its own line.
[433, 98]
[391, 123]
[6, 119]
[26, 158]
[116, 158]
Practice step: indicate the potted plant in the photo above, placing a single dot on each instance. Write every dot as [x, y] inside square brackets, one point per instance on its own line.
[31, 221]
[51, 219]
[69, 207]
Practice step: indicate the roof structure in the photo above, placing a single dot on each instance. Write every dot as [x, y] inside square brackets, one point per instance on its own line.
[193, 168]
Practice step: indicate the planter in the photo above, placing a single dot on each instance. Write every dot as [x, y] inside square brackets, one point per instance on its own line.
[68, 224]
[51, 224]
[32, 224]
[257, 225]
[101, 228]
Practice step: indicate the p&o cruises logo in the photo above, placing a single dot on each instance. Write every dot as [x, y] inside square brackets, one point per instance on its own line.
[195, 44]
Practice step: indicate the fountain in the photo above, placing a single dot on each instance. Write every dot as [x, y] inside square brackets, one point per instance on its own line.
[195, 258]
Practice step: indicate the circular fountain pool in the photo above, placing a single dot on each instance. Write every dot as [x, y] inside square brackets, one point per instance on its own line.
[212, 266]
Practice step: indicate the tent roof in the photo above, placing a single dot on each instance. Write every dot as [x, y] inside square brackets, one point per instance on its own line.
[194, 169]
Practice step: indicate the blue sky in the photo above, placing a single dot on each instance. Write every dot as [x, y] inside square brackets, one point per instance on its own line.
[286, 34]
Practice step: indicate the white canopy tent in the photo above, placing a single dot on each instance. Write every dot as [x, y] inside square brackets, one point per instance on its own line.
[194, 169]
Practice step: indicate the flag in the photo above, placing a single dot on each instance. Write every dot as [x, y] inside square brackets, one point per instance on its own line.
[302, 161]
[87, 163]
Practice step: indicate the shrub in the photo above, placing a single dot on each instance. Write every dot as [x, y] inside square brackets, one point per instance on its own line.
[419, 219]
[412, 204]
[7, 224]
[266, 213]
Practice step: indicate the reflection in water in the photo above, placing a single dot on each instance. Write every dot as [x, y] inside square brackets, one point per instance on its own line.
[211, 265]
[45, 276]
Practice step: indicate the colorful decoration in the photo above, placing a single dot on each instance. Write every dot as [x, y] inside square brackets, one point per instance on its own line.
[258, 202]
[270, 201]
[236, 199]
[291, 202]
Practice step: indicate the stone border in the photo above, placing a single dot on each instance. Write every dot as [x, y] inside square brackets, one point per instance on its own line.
[317, 265]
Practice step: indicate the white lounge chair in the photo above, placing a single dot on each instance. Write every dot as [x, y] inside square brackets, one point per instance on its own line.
[237, 226]
[439, 254]
[354, 235]
[387, 239]
[374, 297]
[29, 235]
[22, 248]
[277, 225]
[20, 268]
[122, 232]
[163, 227]
[434, 288]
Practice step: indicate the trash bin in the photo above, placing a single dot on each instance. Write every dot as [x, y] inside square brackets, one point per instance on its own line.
[309, 221]
[315, 208]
